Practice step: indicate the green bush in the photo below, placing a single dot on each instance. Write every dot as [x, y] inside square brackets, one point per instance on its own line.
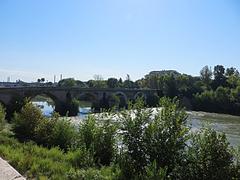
[87, 131]
[166, 135]
[43, 131]
[146, 139]
[208, 156]
[149, 139]
[134, 159]
[99, 139]
[30, 124]
[105, 144]
[63, 134]
[25, 122]
[55, 131]
[2, 117]
[236, 164]
[73, 107]
[155, 173]
[80, 158]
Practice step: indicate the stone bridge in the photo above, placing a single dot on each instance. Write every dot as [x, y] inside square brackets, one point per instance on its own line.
[62, 96]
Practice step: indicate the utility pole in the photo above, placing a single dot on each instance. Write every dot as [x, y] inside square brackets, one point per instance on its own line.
[54, 79]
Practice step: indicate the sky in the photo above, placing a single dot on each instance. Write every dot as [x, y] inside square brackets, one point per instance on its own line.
[113, 38]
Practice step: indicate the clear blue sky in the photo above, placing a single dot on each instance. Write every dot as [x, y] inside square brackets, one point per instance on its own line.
[80, 38]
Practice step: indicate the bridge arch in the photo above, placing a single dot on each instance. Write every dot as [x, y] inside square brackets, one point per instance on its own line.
[45, 101]
[122, 98]
[87, 100]
[140, 95]
[44, 94]
[86, 96]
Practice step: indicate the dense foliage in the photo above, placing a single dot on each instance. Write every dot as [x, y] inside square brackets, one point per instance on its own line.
[133, 144]
[208, 157]
[158, 140]
[216, 90]
[2, 117]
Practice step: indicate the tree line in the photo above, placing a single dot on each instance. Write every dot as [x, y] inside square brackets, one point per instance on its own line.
[214, 90]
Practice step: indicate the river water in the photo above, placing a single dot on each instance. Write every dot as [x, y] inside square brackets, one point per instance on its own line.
[228, 124]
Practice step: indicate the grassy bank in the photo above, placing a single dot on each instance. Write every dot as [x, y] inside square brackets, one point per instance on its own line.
[35, 161]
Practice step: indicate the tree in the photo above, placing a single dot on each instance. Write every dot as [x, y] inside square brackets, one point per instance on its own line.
[69, 82]
[231, 71]
[233, 81]
[205, 101]
[153, 80]
[219, 77]
[98, 81]
[98, 139]
[235, 94]
[91, 83]
[206, 76]
[81, 84]
[98, 77]
[128, 83]
[170, 86]
[120, 82]
[233, 77]
[128, 77]
[208, 157]
[42, 80]
[222, 94]
[222, 99]
[158, 141]
[25, 122]
[112, 82]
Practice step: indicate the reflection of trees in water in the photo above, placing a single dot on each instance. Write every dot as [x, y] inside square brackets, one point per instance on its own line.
[43, 98]
[83, 103]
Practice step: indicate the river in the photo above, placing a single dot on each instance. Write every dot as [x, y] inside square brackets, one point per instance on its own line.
[228, 124]
[220, 122]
